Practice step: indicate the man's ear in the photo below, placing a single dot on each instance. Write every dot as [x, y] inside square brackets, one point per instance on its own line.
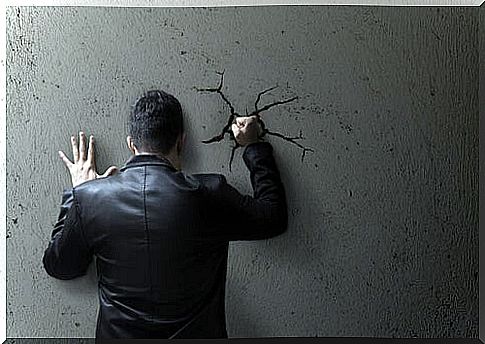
[181, 142]
[130, 144]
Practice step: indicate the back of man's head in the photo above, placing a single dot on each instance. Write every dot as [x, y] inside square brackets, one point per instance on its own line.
[155, 122]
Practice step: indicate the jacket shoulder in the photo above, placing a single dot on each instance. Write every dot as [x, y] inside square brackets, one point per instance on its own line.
[211, 181]
[93, 187]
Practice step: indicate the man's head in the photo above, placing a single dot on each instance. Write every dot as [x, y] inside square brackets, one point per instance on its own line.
[156, 125]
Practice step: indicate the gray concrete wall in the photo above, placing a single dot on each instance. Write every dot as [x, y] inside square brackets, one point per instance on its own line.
[383, 226]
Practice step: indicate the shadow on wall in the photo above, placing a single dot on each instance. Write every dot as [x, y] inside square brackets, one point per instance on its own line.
[238, 305]
[190, 157]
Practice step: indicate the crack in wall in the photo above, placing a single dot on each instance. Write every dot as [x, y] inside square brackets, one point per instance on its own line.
[256, 112]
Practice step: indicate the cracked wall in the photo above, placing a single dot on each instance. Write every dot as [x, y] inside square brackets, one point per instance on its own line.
[383, 216]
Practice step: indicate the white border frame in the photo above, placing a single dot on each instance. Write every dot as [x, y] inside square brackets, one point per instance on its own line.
[137, 3]
[222, 3]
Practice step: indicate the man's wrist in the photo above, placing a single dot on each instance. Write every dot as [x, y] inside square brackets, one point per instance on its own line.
[255, 143]
[257, 149]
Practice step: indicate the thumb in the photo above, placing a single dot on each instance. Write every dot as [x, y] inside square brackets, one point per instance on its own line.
[110, 171]
[235, 129]
[241, 121]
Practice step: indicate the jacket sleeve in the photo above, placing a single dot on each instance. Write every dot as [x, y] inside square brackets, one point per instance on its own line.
[68, 255]
[233, 216]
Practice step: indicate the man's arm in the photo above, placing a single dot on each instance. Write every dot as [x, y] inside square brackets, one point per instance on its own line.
[234, 216]
[68, 255]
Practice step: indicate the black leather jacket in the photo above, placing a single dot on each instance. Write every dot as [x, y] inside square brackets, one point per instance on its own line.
[160, 238]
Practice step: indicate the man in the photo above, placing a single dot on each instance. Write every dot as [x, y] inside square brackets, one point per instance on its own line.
[160, 236]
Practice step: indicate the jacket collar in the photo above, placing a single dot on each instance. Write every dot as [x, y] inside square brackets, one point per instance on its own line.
[147, 159]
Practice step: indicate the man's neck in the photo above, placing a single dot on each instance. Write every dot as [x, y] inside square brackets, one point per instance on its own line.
[172, 158]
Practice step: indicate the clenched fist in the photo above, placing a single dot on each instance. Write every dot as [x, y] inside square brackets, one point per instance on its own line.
[246, 130]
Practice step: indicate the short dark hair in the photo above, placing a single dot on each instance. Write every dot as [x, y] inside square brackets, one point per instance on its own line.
[155, 122]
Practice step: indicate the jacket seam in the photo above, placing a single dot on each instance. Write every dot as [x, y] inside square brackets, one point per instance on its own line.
[78, 211]
[147, 234]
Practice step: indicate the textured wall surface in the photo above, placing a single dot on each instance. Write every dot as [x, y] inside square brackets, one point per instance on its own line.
[383, 226]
